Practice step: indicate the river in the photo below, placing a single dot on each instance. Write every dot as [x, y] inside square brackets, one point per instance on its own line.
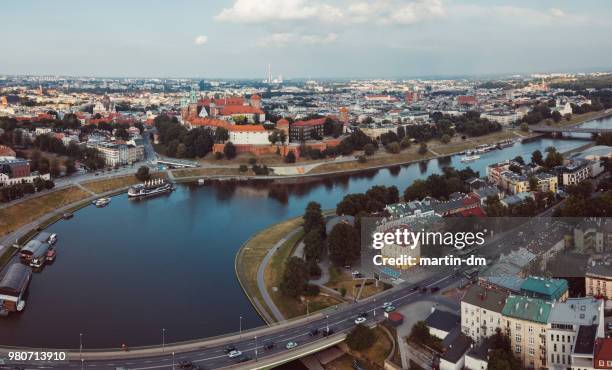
[127, 271]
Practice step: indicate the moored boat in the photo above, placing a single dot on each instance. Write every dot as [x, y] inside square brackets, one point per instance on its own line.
[52, 239]
[469, 158]
[102, 202]
[150, 189]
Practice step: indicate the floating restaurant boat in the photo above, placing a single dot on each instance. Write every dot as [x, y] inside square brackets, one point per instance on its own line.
[505, 144]
[51, 254]
[150, 189]
[102, 202]
[469, 158]
[13, 287]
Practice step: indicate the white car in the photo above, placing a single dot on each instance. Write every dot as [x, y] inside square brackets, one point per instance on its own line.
[360, 320]
[291, 345]
[234, 354]
[387, 304]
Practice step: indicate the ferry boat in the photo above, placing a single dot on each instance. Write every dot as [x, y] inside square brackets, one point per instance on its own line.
[52, 239]
[469, 158]
[150, 189]
[505, 144]
[102, 202]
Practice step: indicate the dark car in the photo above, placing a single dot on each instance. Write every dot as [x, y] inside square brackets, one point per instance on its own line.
[327, 333]
[415, 289]
[268, 346]
[363, 314]
[244, 358]
[435, 289]
[314, 332]
[185, 364]
[423, 290]
[229, 348]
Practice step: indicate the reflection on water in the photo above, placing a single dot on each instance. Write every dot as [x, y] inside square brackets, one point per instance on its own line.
[126, 271]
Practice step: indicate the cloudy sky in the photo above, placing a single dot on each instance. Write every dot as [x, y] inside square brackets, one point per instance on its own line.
[304, 38]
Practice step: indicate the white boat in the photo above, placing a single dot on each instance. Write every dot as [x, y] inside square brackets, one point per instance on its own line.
[150, 189]
[52, 239]
[200, 182]
[102, 202]
[469, 158]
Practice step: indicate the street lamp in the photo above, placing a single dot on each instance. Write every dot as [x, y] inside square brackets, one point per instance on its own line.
[327, 323]
[81, 346]
[163, 340]
[240, 327]
[172, 360]
[307, 308]
[374, 309]
[256, 349]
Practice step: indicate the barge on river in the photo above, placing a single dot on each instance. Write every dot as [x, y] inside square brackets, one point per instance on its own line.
[150, 189]
[13, 286]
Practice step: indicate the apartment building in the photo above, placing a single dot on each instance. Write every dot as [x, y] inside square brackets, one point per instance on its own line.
[598, 281]
[118, 154]
[525, 320]
[481, 312]
[565, 320]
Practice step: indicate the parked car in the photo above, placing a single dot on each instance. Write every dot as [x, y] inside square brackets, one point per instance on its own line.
[291, 345]
[234, 354]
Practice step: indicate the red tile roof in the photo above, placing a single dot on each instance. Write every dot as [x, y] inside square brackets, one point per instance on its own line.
[255, 97]
[5, 151]
[310, 122]
[229, 110]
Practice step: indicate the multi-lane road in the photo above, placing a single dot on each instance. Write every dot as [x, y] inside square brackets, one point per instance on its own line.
[340, 321]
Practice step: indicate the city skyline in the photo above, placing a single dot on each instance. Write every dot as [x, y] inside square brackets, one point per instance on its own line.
[320, 39]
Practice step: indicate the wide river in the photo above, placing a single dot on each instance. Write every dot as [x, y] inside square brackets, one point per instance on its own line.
[126, 271]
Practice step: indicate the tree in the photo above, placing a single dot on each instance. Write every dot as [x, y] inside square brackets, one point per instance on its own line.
[360, 338]
[501, 356]
[556, 116]
[54, 169]
[420, 332]
[243, 168]
[295, 277]
[369, 149]
[533, 183]
[445, 139]
[143, 174]
[229, 150]
[181, 150]
[401, 132]
[423, 149]
[70, 166]
[536, 157]
[221, 135]
[313, 245]
[277, 136]
[122, 133]
[344, 244]
[290, 157]
[524, 127]
[393, 147]
[518, 159]
[313, 218]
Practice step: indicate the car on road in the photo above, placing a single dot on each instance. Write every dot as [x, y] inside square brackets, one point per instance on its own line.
[234, 354]
[313, 332]
[414, 289]
[244, 358]
[423, 290]
[363, 314]
[389, 309]
[229, 348]
[434, 289]
[360, 320]
[327, 333]
[185, 364]
[387, 304]
[610, 326]
[291, 345]
[268, 346]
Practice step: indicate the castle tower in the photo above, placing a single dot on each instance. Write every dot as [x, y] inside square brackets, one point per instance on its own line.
[255, 101]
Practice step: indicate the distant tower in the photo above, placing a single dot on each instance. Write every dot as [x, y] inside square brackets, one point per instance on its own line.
[269, 73]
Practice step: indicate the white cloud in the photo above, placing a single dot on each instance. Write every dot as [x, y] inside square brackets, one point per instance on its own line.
[288, 38]
[341, 12]
[261, 11]
[200, 40]
[523, 15]
[558, 13]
